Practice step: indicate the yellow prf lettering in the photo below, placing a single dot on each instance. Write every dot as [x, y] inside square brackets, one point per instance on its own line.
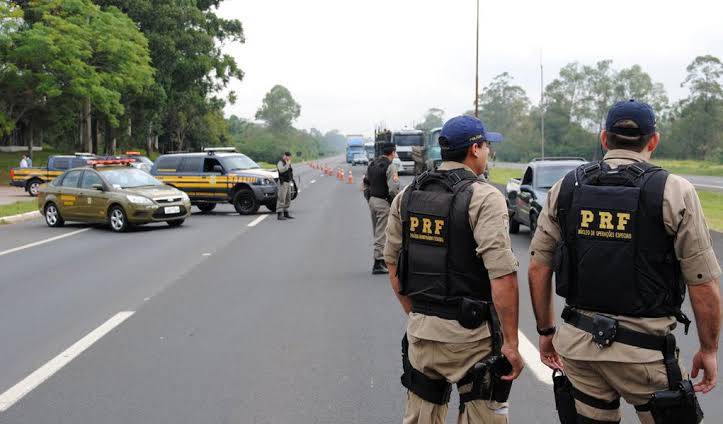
[438, 224]
[587, 218]
[414, 223]
[426, 225]
[623, 219]
[606, 221]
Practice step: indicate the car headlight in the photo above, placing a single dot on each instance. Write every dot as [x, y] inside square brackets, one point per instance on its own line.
[184, 197]
[263, 181]
[139, 200]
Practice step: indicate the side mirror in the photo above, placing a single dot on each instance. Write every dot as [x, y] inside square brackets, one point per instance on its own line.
[218, 168]
[98, 187]
[527, 189]
[512, 195]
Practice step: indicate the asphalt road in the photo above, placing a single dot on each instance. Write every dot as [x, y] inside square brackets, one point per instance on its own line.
[280, 322]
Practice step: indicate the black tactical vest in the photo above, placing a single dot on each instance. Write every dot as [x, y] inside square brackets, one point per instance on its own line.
[616, 256]
[377, 176]
[438, 258]
[287, 176]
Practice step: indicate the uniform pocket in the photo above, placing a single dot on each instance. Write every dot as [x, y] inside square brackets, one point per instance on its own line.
[459, 347]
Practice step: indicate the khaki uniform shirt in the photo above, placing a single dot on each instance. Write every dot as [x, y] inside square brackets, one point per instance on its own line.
[683, 219]
[489, 221]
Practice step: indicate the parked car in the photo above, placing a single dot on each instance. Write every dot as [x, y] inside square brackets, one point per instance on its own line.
[111, 192]
[360, 159]
[32, 178]
[527, 196]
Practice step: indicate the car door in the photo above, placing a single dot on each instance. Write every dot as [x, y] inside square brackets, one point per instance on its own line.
[91, 201]
[218, 183]
[524, 198]
[69, 193]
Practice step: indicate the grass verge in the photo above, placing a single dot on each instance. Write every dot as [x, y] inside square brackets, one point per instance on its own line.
[18, 208]
[502, 175]
[691, 167]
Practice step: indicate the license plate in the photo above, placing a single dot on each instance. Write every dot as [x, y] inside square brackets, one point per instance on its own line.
[170, 210]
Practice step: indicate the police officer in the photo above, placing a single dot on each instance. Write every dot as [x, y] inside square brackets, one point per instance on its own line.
[624, 238]
[381, 184]
[286, 178]
[452, 268]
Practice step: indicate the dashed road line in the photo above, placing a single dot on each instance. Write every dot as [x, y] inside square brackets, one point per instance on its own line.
[532, 359]
[38, 243]
[39, 376]
[257, 220]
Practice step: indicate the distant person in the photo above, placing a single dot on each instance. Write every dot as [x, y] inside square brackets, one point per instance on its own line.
[29, 160]
[24, 162]
[381, 184]
[286, 178]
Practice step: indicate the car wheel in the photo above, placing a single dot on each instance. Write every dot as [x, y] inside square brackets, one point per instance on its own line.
[271, 207]
[32, 187]
[117, 219]
[52, 216]
[514, 226]
[533, 223]
[175, 223]
[245, 202]
[206, 207]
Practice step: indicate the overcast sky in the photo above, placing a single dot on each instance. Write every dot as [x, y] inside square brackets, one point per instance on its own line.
[354, 64]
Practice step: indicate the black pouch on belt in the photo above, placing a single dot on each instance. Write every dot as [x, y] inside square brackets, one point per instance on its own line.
[564, 402]
[676, 406]
[471, 314]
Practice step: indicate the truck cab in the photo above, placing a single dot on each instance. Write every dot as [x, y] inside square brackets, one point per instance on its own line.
[406, 141]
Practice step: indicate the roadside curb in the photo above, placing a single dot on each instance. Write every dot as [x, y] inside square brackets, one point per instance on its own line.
[19, 218]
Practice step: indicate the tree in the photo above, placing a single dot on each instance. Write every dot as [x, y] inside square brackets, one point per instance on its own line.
[279, 109]
[434, 118]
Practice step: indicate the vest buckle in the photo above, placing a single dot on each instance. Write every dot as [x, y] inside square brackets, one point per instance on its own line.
[454, 178]
[590, 168]
[636, 170]
[604, 330]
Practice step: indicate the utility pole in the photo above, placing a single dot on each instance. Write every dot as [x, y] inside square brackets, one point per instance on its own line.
[542, 108]
[476, 69]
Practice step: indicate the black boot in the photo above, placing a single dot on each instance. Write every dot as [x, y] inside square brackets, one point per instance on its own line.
[379, 267]
[287, 216]
[280, 216]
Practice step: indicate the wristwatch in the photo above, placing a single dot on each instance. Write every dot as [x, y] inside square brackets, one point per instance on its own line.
[546, 331]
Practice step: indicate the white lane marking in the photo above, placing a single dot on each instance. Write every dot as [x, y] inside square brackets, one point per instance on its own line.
[205, 254]
[532, 359]
[257, 220]
[313, 181]
[708, 186]
[40, 375]
[38, 243]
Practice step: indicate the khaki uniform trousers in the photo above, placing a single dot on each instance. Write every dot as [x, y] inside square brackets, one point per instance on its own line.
[609, 381]
[450, 361]
[379, 209]
[283, 199]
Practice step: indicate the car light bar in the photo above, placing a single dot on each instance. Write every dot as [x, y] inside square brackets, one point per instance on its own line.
[134, 153]
[108, 162]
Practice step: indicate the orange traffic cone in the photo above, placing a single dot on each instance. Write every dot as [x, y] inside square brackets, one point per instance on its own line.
[340, 174]
[350, 180]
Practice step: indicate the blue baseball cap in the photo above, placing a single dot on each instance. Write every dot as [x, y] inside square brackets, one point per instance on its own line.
[630, 110]
[463, 131]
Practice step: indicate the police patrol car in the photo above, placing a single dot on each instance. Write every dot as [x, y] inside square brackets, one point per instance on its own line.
[112, 192]
[219, 175]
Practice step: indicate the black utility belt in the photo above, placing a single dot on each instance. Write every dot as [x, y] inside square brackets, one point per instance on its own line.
[469, 313]
[605, 331]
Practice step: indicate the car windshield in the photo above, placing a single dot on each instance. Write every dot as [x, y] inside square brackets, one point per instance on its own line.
[129, 178]
[238, 162]
[549, 175]
[408, 139]
[359, 155]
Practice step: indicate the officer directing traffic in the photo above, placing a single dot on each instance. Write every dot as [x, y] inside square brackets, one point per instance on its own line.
[452, 268]
[286, 178]
[381, 184]
[624, 238]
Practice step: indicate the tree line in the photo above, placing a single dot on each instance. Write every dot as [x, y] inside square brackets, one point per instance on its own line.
[575, 106]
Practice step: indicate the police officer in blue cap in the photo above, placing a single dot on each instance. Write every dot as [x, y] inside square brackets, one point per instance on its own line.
[624, 239]
[451, 266]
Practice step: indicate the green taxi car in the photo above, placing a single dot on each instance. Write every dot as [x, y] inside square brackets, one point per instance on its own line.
[114, 193]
